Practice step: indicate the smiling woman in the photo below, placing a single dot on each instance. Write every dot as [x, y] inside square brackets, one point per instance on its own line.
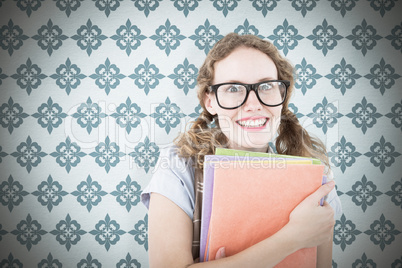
[76, 74]
[243, 88]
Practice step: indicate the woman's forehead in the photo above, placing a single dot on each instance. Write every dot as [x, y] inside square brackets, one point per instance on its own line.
[247, 65]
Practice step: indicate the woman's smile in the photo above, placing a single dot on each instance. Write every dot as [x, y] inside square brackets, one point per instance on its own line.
[253, 123]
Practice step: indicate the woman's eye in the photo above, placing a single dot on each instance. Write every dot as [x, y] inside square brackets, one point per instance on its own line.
[265, 86]
[234, 88]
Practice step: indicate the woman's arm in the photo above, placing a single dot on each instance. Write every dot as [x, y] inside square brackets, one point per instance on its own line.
[170, 235]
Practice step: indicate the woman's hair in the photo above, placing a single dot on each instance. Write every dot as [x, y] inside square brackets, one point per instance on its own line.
[205, 134]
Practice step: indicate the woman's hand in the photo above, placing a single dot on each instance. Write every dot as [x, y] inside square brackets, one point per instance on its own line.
[310, 223]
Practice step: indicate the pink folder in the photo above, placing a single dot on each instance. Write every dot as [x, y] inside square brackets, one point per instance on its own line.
[209, 163]
[251, 203]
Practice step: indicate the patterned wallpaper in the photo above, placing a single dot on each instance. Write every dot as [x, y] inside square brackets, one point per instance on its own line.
[91, 91]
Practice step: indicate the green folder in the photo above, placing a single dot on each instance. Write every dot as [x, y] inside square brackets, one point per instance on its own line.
[224, 151]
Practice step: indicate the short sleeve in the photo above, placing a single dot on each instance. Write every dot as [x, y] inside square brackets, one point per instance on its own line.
[174, 179]
[333, 199]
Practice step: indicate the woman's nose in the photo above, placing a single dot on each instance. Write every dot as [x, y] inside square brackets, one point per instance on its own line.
[252, 102]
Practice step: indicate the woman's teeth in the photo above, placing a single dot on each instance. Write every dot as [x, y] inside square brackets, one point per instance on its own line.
[253, 123]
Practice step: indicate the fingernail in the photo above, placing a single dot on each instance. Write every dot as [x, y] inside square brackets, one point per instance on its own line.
[222, 252]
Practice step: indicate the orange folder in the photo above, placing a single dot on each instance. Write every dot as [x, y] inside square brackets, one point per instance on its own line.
[254, 202]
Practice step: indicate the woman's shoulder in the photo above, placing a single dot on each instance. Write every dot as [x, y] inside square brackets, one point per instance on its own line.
[170, 157]
[173, 178]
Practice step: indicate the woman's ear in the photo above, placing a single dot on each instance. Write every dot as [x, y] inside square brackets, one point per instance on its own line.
[208, 103]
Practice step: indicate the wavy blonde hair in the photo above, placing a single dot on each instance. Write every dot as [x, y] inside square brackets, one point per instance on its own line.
[205, 134]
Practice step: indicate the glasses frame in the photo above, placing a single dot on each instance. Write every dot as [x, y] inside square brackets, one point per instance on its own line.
[250, 87]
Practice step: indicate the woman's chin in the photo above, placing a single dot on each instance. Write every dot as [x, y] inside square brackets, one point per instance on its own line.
[256, 145]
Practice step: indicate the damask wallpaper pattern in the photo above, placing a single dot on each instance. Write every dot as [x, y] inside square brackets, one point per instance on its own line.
[91, 91]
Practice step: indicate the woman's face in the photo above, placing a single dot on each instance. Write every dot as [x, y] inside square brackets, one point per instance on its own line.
[253, 125]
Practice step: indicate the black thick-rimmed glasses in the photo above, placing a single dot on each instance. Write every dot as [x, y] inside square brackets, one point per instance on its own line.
[233, 95]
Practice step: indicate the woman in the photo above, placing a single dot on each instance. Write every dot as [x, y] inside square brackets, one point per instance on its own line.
[244, 87]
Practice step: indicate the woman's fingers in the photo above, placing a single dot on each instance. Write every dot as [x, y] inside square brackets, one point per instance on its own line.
[321, 192]
[313, 223]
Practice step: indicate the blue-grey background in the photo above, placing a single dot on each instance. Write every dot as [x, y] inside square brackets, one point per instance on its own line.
[91, 91]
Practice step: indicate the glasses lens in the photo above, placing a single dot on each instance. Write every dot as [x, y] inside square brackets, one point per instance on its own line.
[231, 95]
[272, 93]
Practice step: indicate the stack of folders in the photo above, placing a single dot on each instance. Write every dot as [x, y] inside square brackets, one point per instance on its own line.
[249, 196]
